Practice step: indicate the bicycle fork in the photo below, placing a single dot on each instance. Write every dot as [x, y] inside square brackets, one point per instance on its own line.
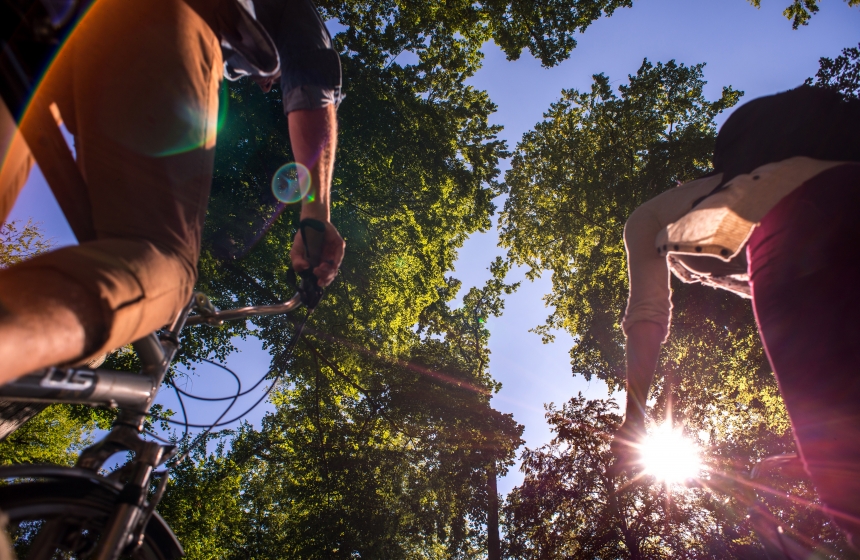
[125, 531]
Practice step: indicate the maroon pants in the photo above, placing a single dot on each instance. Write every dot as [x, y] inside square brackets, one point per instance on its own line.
[804, 263]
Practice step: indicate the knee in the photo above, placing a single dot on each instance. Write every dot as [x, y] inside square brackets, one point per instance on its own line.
[139, 286]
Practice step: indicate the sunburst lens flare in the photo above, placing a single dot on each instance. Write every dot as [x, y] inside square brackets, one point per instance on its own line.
[669, 456]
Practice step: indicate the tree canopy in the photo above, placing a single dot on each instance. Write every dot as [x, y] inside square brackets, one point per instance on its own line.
[841, 73]
[437, 31]
[801, 11]
[579, 174]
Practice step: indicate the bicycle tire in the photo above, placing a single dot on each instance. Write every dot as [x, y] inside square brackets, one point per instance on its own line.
[83, 507]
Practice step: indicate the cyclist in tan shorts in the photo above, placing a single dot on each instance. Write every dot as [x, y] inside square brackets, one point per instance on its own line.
[137, 85]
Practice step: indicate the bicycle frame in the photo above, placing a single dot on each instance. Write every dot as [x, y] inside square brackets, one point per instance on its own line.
[133, 394]
[102, 387]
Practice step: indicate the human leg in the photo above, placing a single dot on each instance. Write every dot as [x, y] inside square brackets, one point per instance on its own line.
[43, 325]
[142, 103]
[804, 263]
[15, 162]
[40, 327]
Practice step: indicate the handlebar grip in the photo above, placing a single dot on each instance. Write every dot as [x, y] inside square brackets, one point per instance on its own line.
[313, 236]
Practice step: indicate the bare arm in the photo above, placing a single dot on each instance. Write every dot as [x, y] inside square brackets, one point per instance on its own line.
[313, 135]
[645, 321]
[643, 349]
[644, 339]
[649, 308]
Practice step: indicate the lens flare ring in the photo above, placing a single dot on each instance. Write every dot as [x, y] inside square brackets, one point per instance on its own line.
[292, 183]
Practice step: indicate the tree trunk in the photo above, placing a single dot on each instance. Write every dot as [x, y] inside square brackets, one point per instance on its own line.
[494, 548]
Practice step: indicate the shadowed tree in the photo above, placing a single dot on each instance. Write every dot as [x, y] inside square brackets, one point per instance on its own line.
[841, 74]
[568, 507]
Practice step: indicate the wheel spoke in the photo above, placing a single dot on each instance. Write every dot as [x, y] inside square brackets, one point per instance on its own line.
[64, 519]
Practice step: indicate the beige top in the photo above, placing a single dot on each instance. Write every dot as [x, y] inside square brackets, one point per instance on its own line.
[719, 226]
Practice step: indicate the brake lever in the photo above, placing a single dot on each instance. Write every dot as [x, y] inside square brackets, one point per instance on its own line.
[309, 290]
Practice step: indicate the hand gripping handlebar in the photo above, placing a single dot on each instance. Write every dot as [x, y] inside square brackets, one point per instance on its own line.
[313, 236]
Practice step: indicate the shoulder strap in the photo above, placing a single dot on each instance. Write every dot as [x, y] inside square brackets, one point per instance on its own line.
[248, 49]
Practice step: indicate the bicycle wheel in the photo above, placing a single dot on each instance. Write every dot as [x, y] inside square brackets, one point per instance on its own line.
[76, 510]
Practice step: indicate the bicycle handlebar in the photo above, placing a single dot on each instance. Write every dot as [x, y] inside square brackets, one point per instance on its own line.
[218, 317]
[309, 292]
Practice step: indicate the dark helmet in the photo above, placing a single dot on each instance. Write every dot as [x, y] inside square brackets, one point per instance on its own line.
[806, 121]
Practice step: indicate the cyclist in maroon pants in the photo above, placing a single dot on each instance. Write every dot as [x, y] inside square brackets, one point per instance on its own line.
[779, 222]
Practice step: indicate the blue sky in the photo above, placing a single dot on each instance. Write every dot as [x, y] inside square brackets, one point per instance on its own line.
[754, 50]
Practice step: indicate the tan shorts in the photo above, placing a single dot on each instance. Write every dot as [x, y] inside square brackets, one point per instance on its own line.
[137, 85]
